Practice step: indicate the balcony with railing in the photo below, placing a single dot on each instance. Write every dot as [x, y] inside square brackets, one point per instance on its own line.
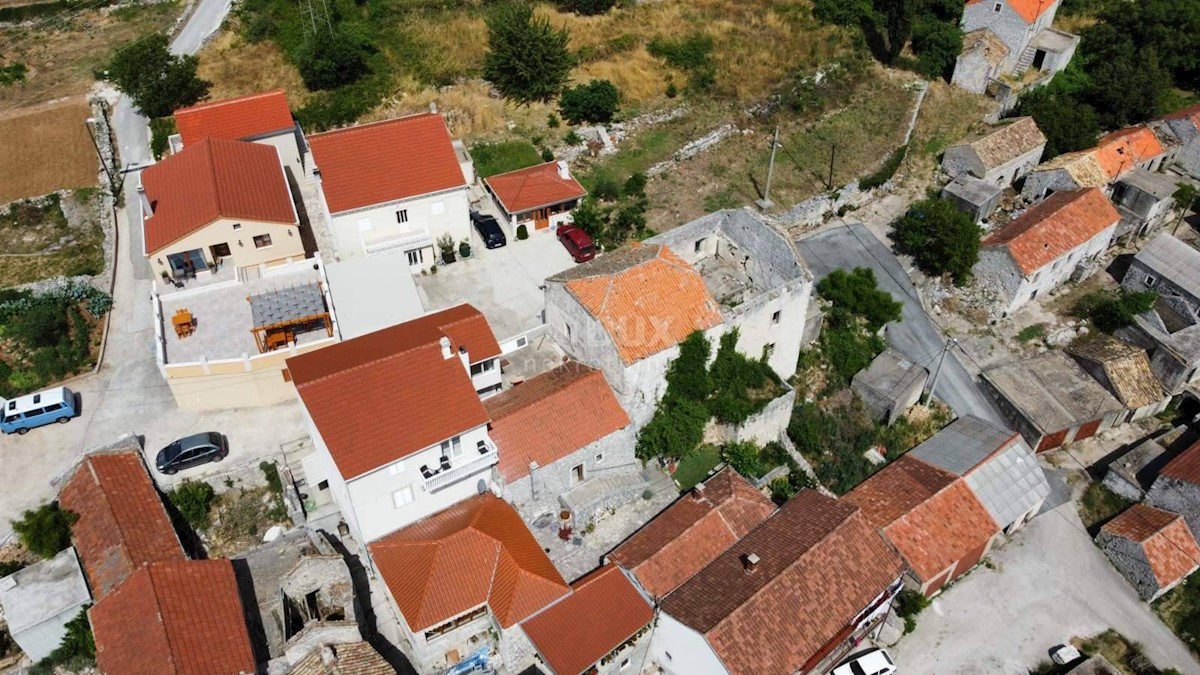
[462, 468]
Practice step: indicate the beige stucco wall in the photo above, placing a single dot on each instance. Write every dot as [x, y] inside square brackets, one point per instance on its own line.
[285, 243]
[235, 383]
[429, 215]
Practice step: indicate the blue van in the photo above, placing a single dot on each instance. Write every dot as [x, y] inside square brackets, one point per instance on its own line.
[21, 414]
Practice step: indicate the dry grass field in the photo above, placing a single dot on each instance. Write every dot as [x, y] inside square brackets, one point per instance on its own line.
[46, 148]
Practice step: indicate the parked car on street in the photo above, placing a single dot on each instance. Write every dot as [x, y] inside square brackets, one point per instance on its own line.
[489, 230]
[190, 451]
[577, 242]
[19, 415]
[869, 662]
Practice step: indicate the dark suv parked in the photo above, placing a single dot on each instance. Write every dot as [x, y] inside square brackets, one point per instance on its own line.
[190, 451]
[489, 230]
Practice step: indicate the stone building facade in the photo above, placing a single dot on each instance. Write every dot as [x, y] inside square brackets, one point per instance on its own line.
[1000, 156]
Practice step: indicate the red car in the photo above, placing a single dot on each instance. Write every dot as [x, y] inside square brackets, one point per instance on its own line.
[577, 242]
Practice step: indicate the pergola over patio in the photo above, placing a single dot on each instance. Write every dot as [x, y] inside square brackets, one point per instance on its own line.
[280, 315]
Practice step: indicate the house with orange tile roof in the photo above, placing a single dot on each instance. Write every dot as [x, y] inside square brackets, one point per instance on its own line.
[626, 312]
[541, 197]
[462, 574]
[599, 628]
[217, 204]
[263, 118]
[398, 428]
[1114, 155]
[1045, 246]
[1004, 39]
[558, 433]
[692, 532]
[396, 186]
[794, 595]
[1177, 487]
[931, 515]
[1184, 125]
[1152, 548]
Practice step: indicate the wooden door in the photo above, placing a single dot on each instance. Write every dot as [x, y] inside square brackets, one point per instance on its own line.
[1051, 441]
[1087, 430]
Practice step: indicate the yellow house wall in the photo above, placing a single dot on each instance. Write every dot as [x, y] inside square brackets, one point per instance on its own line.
[229, 385]
[285, 243]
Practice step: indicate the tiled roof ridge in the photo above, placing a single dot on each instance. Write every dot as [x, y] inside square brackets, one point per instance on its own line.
[209, 105]
[369, 364]
[995, 451]
[108, 501]
[369, 125]
[154, 589]
[573, 379]
[950, 485]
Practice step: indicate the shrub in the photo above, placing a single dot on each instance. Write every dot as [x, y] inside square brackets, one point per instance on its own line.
[45, 530]
[606, 188]
[42, 324]
[594, 102]
[745, 458]
[156, 80]
[552, 121]
[522, 232]
[782, 490]
[1034, 332]
[77, 647]
[741, 386]
[1110, 311]
[857, 293]
[527, 58]
[331, 60]
[13, 73]
[161, 129]
[687, 376]
[692, 54]
[194, 500]
[572, 138]
[635, 185]
[270, 473]
[589, 217]
[942, 239]
[675, 430]
[884, 173]
[547, 155]
[586, 7]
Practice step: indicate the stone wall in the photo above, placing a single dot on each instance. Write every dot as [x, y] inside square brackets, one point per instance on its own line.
[1176, 496]
[1188, 157]
[1130, 560]
[767, 425]
[539, 492]
[1039, 184]
[1179, 300]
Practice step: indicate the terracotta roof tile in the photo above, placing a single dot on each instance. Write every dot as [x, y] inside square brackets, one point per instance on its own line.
[1170, 549]
[692, 532]
[1007, 142]
[820, 565]
[476, 552]
[436, 400]
[647, 298]
[1186, 466]
[1126, 367]
[241, 118]
[533, 187]
[1191, 113]
[1029, 10]
[929, 514]
[122, 521]
[174, 617]
[601, 613]
[213, 179]
[1120, 151]
[986, 41]
[386, 161]
[355, 658]
[550, 416]
[1053, 227]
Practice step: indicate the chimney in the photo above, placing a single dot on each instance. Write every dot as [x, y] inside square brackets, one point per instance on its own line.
[698, 492]
[563, 172]
[750, 562]
[445, 343]
[466, 359]
[147, 207]
[433, 107]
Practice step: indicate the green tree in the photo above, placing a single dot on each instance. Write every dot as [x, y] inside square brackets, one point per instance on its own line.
[331, 60]
[194, 500]
[590, 217]
[45, 530]
[595, 102]
[1110, 311]
[1067, 123]
[1185, 198]
[157, 81]
[527, 58]
[675, 430]
[941, 238]
[857, 293]
[937, 45]
[1126, 80]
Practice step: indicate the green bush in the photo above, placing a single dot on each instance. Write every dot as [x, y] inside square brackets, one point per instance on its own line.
[885, 172]
[675, 430]
[606, 187]
[270, 473]
[635, 185]
[13, 73]
[782, 490]
[76, 650]
[834, 441]
[43, 324]
[194, 501]
[941, 239]
[741, 386]
[522, 232]
[745, 458]
[45, 530]
[687, 376]
[594, 102]
[590, 218]
[856, 293]
[1110, 311]
[332, 60]
[691, 54]
[161, 129]
[527, 58]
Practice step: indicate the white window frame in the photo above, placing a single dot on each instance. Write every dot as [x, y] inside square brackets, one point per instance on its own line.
[452, 448]
[269, 243]
[415, 257]
[402, 216]
[396, 469]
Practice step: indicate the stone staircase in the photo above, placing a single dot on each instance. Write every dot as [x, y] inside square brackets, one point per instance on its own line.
[1025, 61]
[613, 491]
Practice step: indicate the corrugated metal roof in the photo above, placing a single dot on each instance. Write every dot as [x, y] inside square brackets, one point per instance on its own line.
[1010, 483]
[963, 445]
[1174, 261]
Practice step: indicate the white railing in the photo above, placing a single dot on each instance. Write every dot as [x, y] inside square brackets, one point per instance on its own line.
[447, 477]
[403, 243]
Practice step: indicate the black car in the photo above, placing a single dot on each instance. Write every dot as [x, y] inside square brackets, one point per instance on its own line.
[489, 230]
[190, 451]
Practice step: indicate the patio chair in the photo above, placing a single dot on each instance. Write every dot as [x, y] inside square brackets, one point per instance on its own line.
[445, 463]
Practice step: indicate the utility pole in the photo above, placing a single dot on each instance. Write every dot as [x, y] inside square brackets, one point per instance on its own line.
[766, 203]
[832, 154]
[113, 185]
[952, 342]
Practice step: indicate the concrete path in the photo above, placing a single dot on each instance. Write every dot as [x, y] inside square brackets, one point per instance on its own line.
[1050, 584]
[916, 336]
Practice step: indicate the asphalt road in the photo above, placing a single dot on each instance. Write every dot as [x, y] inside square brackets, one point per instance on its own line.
[916, 336]
[132, 129]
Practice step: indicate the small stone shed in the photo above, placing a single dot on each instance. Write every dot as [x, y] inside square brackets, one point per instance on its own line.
[890, 385]
[38, 602]
[1144, 200]
[1000, 156]
[974, 196]
[1170, 268]
[1177, 488]
[1050, 400]
[1132, 474]
[1125, 371]
[1152, 548]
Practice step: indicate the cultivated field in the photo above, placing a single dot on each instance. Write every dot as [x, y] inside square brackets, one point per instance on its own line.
[46, 148]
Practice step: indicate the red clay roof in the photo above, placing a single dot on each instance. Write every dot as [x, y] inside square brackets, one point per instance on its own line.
[174, 617]
[1186, 466]
[533, 187]
[122, 521]
[241, 118]
[386, 161]
[416, 397]
[692, 532]
[1170, 549]
[1057, 225]
[551, 416]
[1191, 113]
[601, 613]
[475, 552]
[647, 298]
[929, 514]
[1120, 151]
[820, 565]
[1029, 10]
[213, 179]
